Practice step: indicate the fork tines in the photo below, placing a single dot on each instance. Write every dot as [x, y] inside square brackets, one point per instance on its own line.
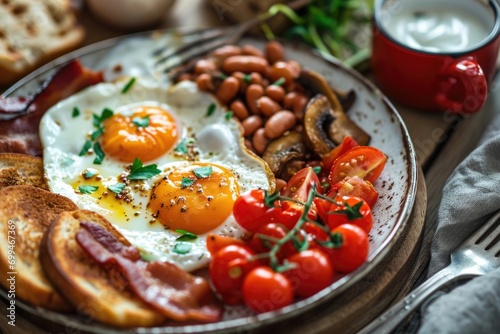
[489, 234]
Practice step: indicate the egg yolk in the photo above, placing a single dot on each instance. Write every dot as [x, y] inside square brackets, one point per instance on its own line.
[182, 200]
[147, 133]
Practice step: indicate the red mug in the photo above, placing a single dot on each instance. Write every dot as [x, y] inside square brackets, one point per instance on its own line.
[436, 55]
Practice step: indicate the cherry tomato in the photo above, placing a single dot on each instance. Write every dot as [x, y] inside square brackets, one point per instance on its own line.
[251, 212]
[265, 290]
[350, 212]
[355, 186]
[227, 270]
[314, 234]
[364, 161]
[259, 245]
[298, 188]
[346, 145]
[313, 272]
[354, 249]
[216, 242]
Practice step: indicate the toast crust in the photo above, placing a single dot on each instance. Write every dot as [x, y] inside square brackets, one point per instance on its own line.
[21, 169]
[30, 210]
[33, 32]
[100, 294]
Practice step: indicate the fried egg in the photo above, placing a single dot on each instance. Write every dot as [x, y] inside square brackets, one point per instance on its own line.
[186, 150]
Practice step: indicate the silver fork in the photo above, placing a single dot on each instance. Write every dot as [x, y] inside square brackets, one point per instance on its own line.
[476, 256]
[202, 41]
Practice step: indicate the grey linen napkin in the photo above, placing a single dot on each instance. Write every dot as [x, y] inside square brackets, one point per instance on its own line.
[470, 196]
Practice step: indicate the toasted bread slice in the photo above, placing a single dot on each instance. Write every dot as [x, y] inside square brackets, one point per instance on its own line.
[28, 211]
[20, 169]
[99, 293]
[33, 32]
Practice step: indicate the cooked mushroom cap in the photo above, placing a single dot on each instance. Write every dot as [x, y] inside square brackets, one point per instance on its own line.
[341, 125]
[284, 153]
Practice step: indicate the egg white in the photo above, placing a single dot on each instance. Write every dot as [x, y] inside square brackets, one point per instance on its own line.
[215, 139]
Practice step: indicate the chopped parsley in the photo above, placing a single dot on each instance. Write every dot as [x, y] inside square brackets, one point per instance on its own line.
[317, 169]
[97, 133]
[182, 248]
[186, 182]
[279, 82]
[89, 172]
[211, 109]
[140, 172]
[203, 172]
[182, 146]
[76, 112]
[117, 188]
[228, 115]
[247, 78]
[186, 236]
[86, 147]
[99, 154]
[141, 122]
[87, 189]
[129, 85]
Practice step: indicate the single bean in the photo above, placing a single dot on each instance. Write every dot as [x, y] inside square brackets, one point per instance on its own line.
[284, 70]
[276, 93]
[253, 93]
[242, 80]
[299, 106]
[245, 64]
[239, 109]
[204, 82]
[268, 106]
[248, 145]
[280, 184]
[226, 51]
[260, 140]
[279, 123]
[228, 90]
[185, 76]
[289, 100]
[274, 52]
[251, 124]
[250, 50]
[205, 66]
[256, 78]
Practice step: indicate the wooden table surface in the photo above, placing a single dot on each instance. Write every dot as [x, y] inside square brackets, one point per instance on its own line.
[441, 141]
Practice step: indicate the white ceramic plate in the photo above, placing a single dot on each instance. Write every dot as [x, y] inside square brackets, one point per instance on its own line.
[371, 110]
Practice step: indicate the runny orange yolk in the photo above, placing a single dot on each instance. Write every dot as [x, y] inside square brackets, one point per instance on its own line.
[124, 140]
[199, 207]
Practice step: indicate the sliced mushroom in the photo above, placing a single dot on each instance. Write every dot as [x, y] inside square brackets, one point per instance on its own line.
[283, 154]
[341, 125]
[317, 120]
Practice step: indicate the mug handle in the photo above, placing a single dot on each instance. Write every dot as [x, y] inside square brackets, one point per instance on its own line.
[467, 72]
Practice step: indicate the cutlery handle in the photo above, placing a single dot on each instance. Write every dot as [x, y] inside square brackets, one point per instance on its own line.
[390, 319]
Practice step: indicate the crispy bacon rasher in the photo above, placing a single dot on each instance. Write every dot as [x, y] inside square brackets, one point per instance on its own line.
[162, 285]
[20, 134]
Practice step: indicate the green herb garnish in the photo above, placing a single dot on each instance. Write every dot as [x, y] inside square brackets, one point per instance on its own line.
[317, 169]
[99, 154]
[129, 85]
[186, 236]
[76, 112]
[211, 109]
[182, 248]
[182, 146]
[279, 82]
[117, 188]
[87, 189]
[140, 172]
[141, 122]
[203, 172]
[86, 147]
[247, 78]
[97, 133]
[228, 115]
[186, 182]
[89, 172]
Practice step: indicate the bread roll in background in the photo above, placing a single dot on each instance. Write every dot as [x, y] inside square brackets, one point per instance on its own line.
[33, 32]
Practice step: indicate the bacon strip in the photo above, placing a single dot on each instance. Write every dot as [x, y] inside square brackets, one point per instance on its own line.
[162, 285]
[20, 134]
